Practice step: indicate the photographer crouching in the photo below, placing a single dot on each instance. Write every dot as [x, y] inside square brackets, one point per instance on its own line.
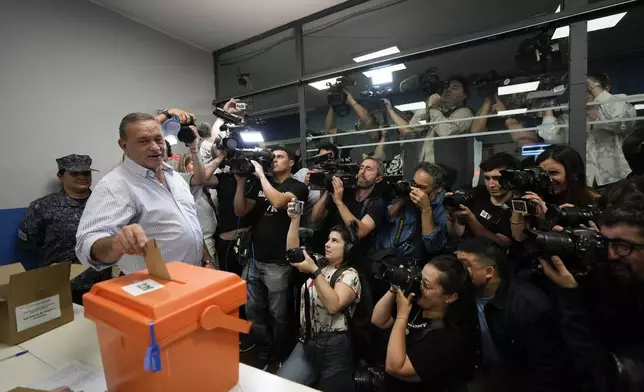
[603, 309]
[267, 277]
[323, 357]
[430, 347]
[418, 220]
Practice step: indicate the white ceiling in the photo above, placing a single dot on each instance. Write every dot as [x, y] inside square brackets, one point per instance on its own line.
[214, 24]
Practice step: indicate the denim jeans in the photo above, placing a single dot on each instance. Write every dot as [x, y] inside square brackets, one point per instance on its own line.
[267, 307]
[324, 362]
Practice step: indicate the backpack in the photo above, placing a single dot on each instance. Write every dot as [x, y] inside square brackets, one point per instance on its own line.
[360, 323]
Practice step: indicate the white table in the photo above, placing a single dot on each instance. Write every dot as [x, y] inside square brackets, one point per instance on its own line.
[78, 341]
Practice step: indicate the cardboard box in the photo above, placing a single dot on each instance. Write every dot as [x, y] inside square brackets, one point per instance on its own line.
[36, 301]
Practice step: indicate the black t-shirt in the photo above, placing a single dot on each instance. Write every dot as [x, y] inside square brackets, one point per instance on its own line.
[227, 220]
[269, 235]
[374, 206]
[494, 218]
[438, 353]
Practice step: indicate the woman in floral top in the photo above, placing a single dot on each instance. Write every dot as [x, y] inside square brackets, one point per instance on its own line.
[323, 357]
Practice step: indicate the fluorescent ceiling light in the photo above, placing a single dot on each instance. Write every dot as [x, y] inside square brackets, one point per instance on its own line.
[518, 88]
[512, 112]
[382, 78]
[639, 106]
[391, 68]
[411, 106]
[171, 139]
[375, 55]
[251, 136]
[321, 85]
[606, 22]
[423, 122]
[558, 9]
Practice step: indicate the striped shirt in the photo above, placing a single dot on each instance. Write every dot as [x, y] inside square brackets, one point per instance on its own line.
[132, 194]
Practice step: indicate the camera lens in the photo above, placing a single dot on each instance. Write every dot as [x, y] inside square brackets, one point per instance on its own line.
[294, 255]
[556, 243]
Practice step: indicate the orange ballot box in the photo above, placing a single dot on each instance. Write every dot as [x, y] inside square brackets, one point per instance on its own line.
[174, 327]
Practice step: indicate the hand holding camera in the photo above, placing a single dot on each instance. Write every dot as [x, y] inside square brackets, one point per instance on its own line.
[295, 209]
[306, 266]
[434, 99]
[183, 116]
[404, 304]
[338, 190]
[420, 199]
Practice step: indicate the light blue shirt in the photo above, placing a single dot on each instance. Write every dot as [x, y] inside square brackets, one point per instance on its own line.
[130, 194]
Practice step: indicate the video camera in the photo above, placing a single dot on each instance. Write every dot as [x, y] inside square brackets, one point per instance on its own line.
[336, 96]
[331, 166]
[237, 137]
[532, 179]
[428, 81]
[580, 249]
[377, 92]
[487, 83]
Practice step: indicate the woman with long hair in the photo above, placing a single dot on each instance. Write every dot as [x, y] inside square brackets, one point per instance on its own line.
[323, 357]
[567, 173]
[431, 345]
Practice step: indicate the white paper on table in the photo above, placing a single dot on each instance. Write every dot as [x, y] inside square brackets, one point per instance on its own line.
[75, 375]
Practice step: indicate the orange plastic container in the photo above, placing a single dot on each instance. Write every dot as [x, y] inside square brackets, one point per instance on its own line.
[196, 323]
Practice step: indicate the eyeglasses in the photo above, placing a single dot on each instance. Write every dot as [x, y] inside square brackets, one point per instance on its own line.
[624, 248]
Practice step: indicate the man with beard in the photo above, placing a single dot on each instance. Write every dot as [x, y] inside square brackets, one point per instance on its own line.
[360, 205]
[603, 314]
[486, 214]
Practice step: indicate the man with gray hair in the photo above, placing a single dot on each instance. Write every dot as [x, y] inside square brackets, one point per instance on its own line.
[142, 198]
[417, 226]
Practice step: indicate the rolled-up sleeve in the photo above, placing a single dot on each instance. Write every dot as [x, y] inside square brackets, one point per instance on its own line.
[109, 208]
[436, 240]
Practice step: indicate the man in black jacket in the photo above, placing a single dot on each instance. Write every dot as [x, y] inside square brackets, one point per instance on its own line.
[603, 314]
[519, 337]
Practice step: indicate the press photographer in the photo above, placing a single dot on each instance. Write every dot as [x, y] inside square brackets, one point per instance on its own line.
[518, 335]
[430, 347]
[485, 211]
[602, 311]
[605, 162]
[323, 357]
[566, 172]
[447, 105]
[361, 204]
[268, 278]
[417, 219]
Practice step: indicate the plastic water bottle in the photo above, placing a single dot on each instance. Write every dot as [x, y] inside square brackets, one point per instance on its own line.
[172, 126]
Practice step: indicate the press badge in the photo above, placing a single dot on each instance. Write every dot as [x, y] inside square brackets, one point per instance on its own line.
[485, 215]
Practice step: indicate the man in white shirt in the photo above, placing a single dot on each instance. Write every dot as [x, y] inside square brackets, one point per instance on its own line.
[141, 198]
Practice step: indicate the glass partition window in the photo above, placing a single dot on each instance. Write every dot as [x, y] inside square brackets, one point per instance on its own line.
[615, 96]
[455, 109]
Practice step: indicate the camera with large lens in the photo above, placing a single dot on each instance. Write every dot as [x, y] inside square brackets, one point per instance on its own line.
[370, 379]
[457, 198]
[185, 134]
[431, 83]
[533, 179]
[293, 255]
[570, 216]
[580, 249]
[403, 188]
[486, 83]
[242, 165]
[331, 166]
[407, 278]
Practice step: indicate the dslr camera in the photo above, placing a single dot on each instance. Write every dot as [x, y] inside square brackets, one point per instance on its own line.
[457, 198]
[570, 216]
[296, 255]
[402, 188]
[580, 249]
[407, 278]
[343, 168]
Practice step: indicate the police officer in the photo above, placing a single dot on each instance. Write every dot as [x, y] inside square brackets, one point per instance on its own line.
[48, 231]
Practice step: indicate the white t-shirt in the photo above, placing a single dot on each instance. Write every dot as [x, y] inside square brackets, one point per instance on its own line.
[322, 320]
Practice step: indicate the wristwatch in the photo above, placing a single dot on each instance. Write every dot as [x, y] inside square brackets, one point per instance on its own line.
[166, 113]
[315, 273]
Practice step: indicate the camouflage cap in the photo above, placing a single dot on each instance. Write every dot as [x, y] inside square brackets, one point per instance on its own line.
[75, 163]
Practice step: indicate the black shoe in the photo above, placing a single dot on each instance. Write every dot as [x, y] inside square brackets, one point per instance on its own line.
[245, 343]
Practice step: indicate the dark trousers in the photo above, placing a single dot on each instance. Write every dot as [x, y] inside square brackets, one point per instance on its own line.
[267, 307]
[324, 362]
[228, 262]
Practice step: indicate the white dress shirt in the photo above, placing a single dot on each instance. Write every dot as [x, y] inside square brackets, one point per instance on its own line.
[130, 194]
